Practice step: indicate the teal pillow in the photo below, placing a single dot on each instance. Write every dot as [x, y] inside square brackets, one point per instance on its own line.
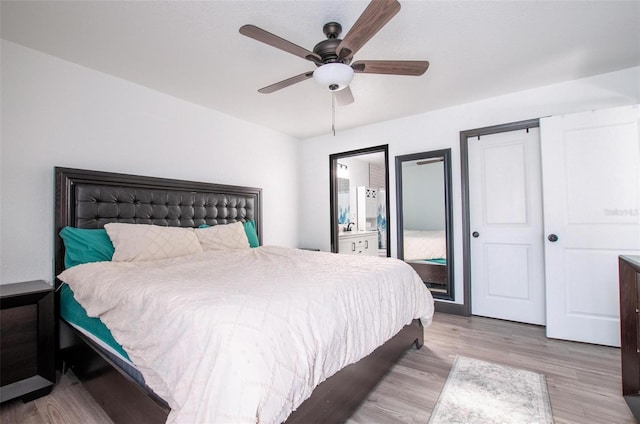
[252, 235]
[83, 245]
[249, 230]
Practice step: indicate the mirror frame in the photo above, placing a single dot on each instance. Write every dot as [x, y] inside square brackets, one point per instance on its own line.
[333, 189]
[446, 155]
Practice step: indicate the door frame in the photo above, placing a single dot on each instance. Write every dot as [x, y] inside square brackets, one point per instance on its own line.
[466, 206]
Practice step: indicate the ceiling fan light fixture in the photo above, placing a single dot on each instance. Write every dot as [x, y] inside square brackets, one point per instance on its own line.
[333, 76]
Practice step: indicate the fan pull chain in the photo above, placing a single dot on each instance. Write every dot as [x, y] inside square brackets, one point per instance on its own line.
[333, 113]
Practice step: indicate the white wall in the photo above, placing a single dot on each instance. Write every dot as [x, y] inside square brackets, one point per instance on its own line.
[56, 113]
[423, 196]
[439, 130]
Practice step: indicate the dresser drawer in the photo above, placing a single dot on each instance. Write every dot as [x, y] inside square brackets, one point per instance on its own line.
[359, 244]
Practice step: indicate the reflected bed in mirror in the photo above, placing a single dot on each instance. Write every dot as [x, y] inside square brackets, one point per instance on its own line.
[424, 218]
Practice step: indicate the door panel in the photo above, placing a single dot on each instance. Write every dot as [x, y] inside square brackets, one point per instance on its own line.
[506, 213]
[591, 175]
[504, 180]
[507, 271]
[584, 283]
[601, 180]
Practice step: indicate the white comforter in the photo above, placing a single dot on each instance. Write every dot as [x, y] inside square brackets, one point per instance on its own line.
[420, 245]
[244, 336]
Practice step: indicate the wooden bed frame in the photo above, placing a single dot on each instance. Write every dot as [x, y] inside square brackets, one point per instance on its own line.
[433, 275]
[125, 400]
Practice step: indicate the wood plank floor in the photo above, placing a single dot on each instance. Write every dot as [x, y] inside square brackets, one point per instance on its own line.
[584, 380]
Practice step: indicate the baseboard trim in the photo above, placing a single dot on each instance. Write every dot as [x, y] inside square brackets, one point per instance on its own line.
[450, 308]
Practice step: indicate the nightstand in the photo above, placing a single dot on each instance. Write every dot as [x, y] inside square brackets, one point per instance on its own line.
[27, 363]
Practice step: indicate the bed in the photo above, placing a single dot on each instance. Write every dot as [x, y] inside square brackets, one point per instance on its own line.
[91, 200]
[426, 252]
[420, 245]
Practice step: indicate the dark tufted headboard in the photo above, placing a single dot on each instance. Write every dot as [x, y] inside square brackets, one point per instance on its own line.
[91, 199]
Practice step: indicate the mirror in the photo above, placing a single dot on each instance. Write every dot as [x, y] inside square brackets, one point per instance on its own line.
[359, 201]
[425, 238]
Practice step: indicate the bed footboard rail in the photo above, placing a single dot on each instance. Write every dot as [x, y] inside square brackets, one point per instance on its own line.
[339, 396]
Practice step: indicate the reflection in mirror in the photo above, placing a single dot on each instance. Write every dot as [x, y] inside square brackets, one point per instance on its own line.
[424, 218]
[359, 202]
[344, 200]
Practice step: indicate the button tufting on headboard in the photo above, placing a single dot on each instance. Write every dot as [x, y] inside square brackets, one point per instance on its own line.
[97, 205]
[91, 199]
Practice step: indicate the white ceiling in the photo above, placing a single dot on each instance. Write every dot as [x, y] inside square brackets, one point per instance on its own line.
[193, 51]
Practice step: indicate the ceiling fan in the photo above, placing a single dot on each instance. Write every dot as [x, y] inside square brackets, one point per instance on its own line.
[333, 56]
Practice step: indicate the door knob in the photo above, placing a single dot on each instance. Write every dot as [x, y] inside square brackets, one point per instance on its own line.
[552, 238]
[475, 234]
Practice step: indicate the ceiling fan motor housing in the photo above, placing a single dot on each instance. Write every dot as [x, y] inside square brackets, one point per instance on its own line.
[334, 73]
[326, 49]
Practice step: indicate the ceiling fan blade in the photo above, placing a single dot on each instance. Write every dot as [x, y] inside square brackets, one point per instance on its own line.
[263, 36]
[391, 67]
[285, 83]
[344, 97]
[374, 17]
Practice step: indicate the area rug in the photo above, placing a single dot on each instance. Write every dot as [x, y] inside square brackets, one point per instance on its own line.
[482, 392]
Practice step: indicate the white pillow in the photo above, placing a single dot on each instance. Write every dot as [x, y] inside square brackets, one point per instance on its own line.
[223, 237]
[141, 242]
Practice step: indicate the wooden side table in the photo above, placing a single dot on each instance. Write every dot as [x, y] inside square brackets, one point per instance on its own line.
[27, 355]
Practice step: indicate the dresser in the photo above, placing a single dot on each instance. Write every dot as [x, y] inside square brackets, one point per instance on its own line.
[358, 243]
[629, 274]
[26, 340]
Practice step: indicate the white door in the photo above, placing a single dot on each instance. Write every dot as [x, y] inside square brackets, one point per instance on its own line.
[591, 179]
[507, 262]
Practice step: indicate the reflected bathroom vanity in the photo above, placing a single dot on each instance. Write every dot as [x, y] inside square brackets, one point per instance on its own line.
[358, 243]
[359, 202]
[423, 187]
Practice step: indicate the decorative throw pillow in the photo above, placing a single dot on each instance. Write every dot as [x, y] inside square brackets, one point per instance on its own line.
[223, 237]
[83, 245]
[142, 242]
[250, 231]
[252, 234]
